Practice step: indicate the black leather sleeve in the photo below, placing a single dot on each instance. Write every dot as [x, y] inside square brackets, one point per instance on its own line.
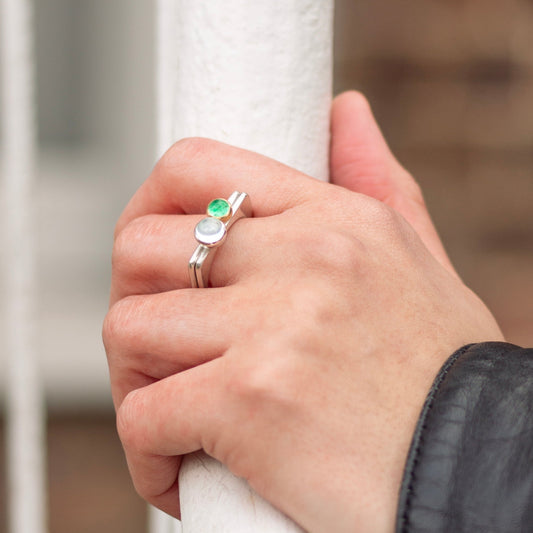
[470, 466]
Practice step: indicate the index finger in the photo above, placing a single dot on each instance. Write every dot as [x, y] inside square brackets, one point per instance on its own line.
[195, 171]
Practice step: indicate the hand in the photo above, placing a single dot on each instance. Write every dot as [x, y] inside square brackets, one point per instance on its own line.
[304, 368]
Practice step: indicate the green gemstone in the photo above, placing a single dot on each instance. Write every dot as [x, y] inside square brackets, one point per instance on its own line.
[219, 208]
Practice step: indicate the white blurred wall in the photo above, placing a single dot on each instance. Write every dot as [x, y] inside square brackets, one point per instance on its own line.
[96, 133]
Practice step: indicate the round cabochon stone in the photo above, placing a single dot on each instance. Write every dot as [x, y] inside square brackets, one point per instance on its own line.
[219, 208]
[210, 231]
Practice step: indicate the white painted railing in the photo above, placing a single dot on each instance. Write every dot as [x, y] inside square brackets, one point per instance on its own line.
[25, 405]
[256, 75]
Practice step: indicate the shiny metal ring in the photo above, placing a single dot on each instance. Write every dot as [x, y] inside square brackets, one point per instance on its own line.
[211, 232]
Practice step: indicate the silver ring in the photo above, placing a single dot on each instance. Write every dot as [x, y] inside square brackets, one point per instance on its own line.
[211, 232]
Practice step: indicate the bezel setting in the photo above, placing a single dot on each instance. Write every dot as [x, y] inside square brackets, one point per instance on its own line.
[219, 208]
[210, 232]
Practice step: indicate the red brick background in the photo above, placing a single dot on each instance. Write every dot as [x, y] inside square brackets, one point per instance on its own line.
[451, 83]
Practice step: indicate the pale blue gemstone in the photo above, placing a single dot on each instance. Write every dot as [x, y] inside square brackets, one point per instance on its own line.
[210, 231]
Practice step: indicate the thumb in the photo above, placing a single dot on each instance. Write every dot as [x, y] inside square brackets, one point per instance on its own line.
[361, 161]
[360, 158]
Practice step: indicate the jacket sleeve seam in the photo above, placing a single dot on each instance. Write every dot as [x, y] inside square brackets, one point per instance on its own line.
[419, 432]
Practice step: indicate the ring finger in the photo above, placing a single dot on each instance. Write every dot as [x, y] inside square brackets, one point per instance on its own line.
[152, 253]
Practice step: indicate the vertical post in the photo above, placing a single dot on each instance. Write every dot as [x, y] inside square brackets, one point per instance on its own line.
[165, 80]
[257, 75]
[25, 406]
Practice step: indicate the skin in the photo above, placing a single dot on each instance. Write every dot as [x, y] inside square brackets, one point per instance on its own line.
[305, 366]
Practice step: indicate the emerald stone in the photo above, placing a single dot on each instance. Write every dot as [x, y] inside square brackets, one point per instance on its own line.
[219, 208]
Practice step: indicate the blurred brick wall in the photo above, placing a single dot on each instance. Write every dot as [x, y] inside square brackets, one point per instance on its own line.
[89, 488]
[451, 83]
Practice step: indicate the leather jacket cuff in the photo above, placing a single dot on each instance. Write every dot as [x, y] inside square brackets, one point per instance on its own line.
[470, 466]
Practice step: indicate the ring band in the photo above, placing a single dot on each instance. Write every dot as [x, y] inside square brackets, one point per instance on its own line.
[211, 232]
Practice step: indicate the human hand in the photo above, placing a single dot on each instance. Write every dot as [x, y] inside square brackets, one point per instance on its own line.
[304, 368]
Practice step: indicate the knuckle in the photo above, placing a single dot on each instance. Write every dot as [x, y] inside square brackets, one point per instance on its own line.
[275, 378]
[393, 231]
[120, 325]
[384, 220]
[186, 149]
[314, 303]
[128, 415]
[332, 252]
[264, 383]
[380, 214]
[346, 252]
[246, 381]
[131, 246]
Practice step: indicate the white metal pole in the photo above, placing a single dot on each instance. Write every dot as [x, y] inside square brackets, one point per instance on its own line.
[257, 75]
[25, 405]
[166, 73]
